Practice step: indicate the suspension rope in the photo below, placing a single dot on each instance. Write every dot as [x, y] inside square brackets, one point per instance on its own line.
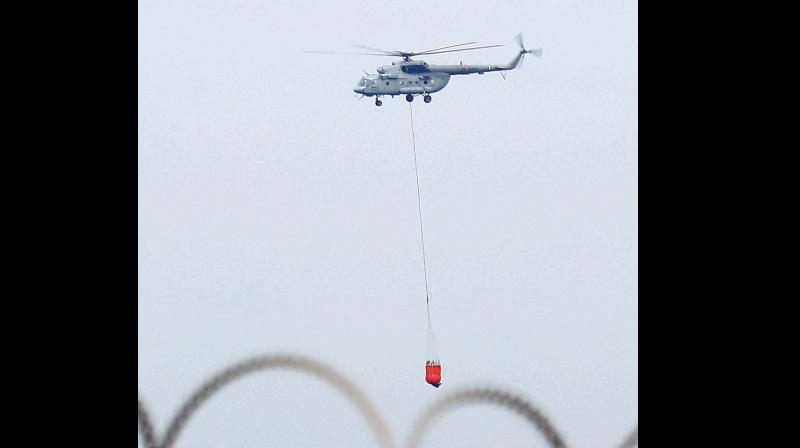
[419, 207]
[432, 351]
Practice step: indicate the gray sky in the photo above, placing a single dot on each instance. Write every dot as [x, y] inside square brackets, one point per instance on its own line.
[276, 212]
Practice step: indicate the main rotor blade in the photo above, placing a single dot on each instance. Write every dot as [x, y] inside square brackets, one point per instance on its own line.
[443, 48]
[395, 53]
[386, 52]
[346, 52]
[461, 49]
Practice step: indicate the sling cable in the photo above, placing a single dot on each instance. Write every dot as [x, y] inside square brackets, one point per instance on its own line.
[433, 366]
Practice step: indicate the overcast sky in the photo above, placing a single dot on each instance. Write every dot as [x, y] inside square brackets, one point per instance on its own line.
[276, 212]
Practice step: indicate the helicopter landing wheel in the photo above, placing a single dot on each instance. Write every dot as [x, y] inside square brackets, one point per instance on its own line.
[409, 97]
[378, 102]
[427, 98]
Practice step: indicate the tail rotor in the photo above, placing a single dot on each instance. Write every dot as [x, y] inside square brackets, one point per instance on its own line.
[523, 51]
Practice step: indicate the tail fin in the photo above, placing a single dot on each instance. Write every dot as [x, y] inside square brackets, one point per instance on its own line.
[514, 63]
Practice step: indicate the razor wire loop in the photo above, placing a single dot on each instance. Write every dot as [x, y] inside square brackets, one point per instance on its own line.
[632, 439]
[477, 395]
[146, 429]
[254, 365]
[490, 396]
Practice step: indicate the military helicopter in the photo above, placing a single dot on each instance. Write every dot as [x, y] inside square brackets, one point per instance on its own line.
[411, 77]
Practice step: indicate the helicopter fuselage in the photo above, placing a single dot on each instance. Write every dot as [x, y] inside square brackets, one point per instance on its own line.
[414, 77]
[403, 78]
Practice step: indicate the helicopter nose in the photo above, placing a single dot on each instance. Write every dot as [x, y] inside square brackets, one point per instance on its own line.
[358, 89]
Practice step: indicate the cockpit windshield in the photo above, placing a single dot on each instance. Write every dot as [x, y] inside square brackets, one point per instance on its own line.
[364, 83]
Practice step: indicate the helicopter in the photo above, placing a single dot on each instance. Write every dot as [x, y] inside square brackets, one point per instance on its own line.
[413, 77]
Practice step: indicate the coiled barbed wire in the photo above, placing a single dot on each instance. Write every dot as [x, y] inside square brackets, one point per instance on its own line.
[632, 440]
[146, 427]
[476, 395]
[485, 395]
[267, 362]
